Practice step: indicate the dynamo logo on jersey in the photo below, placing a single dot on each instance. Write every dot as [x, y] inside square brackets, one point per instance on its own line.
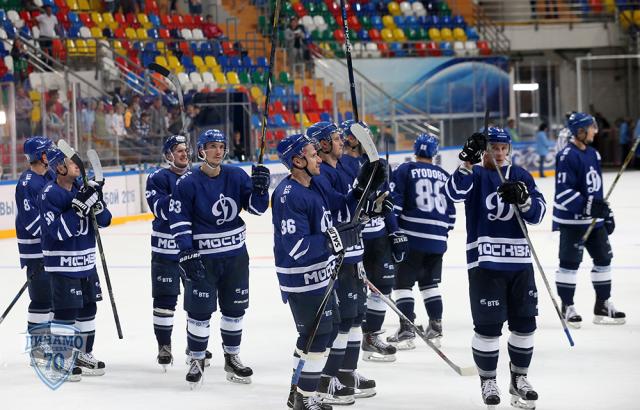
[594, 182]
[53, 356]
[503, 212]
[326, 221]
[226, 208]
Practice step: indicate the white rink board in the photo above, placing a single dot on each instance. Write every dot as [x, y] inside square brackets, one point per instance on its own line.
[600, 372]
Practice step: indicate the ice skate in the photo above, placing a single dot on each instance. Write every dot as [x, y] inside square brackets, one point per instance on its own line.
[164, 356]
[572, 317]
[522, 394]
[333, 392]
[207, 357]
[374, 349]
[39, 355]
[312, 402]
[236, 371]
[292, 397]
[195, 374]
[434, 332]
[362, 387]
[89, 365]
[607, 314]
[490, 392]
[404, 337]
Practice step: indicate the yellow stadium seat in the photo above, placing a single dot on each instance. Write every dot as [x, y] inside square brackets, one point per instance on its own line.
[459, 34]
[626, 18]
[210, 61]
[610, 6]
[72, 49]
[130, 33]
[96, 17]
[388, 22]
[161, 46]
[141, 34]
[144, 21]
[198, 62]
[446, 34]
[91, 47]
[72, 4]
[82, 48]
[394, 8]
[398, 35]
[84, 5]
[160, 60]
[232, 78]
[220, 78]
[434, 34]
[217, 69]
[108, 21]
[305, 120]
[256, 92]
[174, 64]
[386, 34]
[96, 32]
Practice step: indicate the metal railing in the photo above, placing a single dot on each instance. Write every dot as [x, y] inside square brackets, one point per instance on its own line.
[517, 12]
[488, 30]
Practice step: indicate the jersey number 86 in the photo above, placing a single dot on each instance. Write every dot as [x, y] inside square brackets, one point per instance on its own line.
[429, 196]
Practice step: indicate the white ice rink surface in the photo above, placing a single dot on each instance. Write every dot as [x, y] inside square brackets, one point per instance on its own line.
[601, 372]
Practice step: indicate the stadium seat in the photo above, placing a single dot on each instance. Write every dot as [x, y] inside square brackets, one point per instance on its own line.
[387, 35]
[220, 79]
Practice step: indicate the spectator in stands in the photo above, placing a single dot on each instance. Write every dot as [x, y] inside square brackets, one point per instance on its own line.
[175, 121]
[624, 139]
[20, 62]
[54, 125]
[24, 106]
[30, 5]
[295, 37]
[239, 152]
[48, 25]
[129, 6]
[542, 145]
[143, 127]
[88, 117]
[211, 29]
[111, 5]
[195, 7]
[132, 114]
[117, 128]
[58, 107]
[100, 124]
[512, 130]
[603, 130]
[158, 119]
[192, 113]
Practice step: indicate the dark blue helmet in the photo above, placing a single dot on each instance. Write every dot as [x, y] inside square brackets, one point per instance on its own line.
[579, 120]
[426, 145]
[212, 135]
[34, 147]
[172, 141]
[293, 146]
[322, 131]
[55, 157]
[345, 126]
[496, 135]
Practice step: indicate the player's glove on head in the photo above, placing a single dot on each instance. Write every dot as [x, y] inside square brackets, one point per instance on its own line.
[596, 208]
[343, 236]
[513, 192]
[473, 148]
[191, 267]
[378, 205]
[376, 171]
[399, 246]
[260, 178]
[85, 198]
[610, 223]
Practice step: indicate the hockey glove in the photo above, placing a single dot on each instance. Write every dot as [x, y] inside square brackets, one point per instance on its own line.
[98, 207]
[378, 206]
[399, 246]
[513, 192]
[97, 185]
[596, 208]
[473, 148]
[343, 236]
[191, 267]
[85, 198]
[366, 173]
[260, 178]
[610, 223]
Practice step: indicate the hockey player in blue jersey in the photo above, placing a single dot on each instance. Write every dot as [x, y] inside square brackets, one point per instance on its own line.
[501, 281]
[165, 272]
[384, 246]
[307, 240]
[579, 199]
[425, 215]
[204, 213]
[28, 233]
[69, 249]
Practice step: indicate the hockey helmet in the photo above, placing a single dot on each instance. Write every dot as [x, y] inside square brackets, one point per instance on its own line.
[212, 135]
[34, 147]
[172, 141]
[322, 131]
[55, 158]
[426, 145]
[293, 146]
[498, 135]
[579, 120]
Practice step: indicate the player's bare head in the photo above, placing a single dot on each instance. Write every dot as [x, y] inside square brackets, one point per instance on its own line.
[176, 152]
[329, 137]
[212, 147]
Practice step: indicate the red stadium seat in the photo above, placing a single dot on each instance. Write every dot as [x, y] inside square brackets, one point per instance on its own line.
[120, 19]
[119, 33]
[165, 20]
[85, 18]
[483, 48]
[198, 21]
[299, 9]
[338, 35]
[188, 21]
[151, 6]
[327, 105]
[354, 24]
[383, 48]
[132, 20]
[421, 49]
[164, 34]
[306, 91]
[228, 49]
[374, 34]
[433, 49]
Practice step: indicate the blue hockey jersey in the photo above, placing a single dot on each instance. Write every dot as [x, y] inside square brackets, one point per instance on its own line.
[578, 176]
[424, 211]
[300, 218]
[204, 212]
[494, 238]
[68, 241]
[28, 230]
[160, 185]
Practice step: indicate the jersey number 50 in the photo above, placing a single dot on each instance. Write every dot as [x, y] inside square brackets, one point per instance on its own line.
[429, 196]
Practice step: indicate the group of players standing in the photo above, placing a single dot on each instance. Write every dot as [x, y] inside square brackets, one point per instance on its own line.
[198, 239]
